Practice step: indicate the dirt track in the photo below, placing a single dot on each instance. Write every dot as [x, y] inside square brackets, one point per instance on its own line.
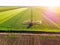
[29, 39]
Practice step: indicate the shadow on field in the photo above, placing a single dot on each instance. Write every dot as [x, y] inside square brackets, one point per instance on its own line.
[29, 39]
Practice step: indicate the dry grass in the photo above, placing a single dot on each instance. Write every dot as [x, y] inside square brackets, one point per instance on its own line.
[29, 39]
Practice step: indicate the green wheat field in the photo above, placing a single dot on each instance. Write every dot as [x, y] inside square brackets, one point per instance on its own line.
[18, 18]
